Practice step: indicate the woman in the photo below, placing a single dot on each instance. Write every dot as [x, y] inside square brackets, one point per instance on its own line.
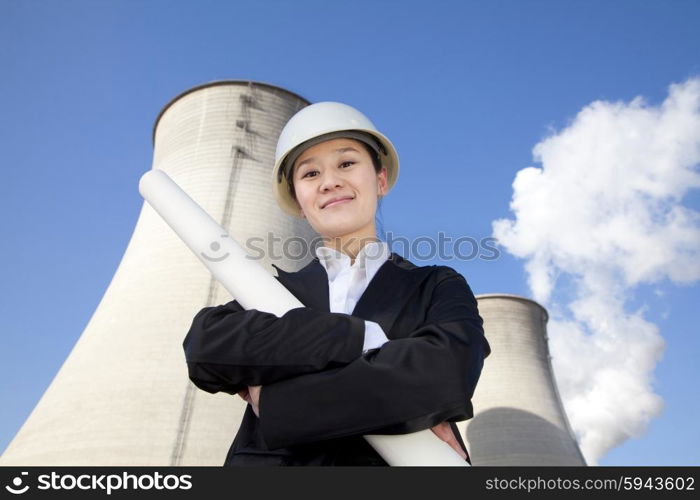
[382, 346]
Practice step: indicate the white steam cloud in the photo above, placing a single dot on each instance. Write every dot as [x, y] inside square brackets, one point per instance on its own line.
[602, 215]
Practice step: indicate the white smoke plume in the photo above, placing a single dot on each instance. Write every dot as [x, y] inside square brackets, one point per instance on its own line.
[603, 214]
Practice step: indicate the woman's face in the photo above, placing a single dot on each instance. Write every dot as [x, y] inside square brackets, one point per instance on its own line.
[337, 188]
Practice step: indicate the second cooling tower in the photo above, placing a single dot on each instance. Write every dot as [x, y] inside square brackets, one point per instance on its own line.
[519, 417]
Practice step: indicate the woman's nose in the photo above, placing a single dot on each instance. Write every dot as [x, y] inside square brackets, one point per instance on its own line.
[330, 180]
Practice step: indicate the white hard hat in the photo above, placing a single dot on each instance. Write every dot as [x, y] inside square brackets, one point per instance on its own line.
[320, 122]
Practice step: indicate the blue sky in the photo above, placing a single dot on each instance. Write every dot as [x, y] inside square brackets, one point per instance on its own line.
[465, 90]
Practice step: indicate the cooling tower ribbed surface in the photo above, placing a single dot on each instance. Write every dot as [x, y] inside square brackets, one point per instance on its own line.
[123, 396]
[519, 418]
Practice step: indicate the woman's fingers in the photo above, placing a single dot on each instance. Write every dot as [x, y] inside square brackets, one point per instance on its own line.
[444, 432]
[251, 395]
[254, 398]
[244, 394]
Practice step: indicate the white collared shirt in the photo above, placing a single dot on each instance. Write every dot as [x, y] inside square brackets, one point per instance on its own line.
[347, 283]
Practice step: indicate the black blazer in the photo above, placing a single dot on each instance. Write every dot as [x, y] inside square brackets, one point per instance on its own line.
[320, 394]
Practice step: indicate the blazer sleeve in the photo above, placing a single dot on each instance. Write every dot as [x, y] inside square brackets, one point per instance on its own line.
[228, 348]
[409, 384]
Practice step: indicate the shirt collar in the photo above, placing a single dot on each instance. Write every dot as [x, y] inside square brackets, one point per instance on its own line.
[370, 258]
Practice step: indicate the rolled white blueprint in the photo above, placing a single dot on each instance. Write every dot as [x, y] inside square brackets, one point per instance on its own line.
[231, 266]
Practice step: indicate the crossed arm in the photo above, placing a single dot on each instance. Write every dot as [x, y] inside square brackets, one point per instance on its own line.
[318, 385]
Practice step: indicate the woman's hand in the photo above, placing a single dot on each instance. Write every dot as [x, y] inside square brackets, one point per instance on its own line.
[252, 396]
[444, 432]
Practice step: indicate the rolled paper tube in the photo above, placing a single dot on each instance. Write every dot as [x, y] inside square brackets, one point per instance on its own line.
[231, 266]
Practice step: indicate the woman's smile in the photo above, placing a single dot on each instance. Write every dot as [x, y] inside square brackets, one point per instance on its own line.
[337, 201]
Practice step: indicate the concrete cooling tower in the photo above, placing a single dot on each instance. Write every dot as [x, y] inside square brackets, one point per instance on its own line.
[123, 397]
[519, 417]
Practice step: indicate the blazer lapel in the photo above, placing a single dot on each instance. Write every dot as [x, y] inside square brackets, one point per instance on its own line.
[381, 302]
[389, 291]
[309, 285]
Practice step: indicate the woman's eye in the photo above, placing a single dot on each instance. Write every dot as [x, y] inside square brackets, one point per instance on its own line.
[310, 173]
[346, 164]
